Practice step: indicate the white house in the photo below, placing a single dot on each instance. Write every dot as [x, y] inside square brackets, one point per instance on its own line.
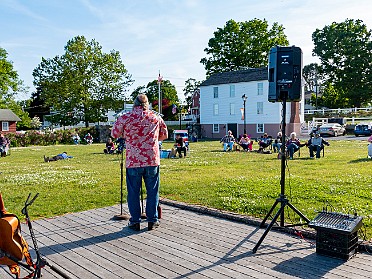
[222, 106]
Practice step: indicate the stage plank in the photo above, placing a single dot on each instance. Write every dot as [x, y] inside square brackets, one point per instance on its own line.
[188, 244]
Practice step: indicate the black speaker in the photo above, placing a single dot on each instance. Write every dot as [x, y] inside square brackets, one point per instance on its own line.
[285, 71]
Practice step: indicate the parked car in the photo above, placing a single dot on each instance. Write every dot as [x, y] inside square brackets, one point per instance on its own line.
[332, 129]
[363, 129]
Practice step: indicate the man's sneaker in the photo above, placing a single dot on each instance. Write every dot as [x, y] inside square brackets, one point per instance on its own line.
[153, 225]
[134, 226]
[46, 159]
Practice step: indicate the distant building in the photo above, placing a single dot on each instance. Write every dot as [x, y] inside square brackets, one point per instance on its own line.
[8, 121]
[194, 112]
[221, 105]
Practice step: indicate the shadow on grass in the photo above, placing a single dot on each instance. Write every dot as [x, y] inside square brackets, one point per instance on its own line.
[360, 160]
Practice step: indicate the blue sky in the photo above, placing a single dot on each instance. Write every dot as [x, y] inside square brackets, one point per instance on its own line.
[165, 35]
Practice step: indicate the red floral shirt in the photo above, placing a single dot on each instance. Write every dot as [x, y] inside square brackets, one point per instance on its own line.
[142, 130]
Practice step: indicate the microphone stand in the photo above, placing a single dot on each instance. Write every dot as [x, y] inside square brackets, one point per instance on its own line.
[282, 197]
[122, 215]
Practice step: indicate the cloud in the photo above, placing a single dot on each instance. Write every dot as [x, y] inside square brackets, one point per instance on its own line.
[17, 7]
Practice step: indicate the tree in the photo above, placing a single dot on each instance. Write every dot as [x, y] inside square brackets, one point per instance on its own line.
[10, 86]
[330, 97]
[9, 81]
[191, 85]
[37, 105]
[345, 52]
[242, 44]
[168, 94]
[83, 83]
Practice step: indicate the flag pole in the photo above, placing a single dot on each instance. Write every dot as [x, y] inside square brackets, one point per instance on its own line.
[159, 93]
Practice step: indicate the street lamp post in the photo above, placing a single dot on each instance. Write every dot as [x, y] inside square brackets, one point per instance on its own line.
[180, 117]
[245, 124]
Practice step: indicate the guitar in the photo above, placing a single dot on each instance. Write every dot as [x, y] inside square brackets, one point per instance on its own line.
[11, 240]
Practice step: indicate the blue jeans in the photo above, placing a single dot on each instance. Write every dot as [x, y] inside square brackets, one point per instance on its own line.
[277, 146]
[228, 144]
[151, 176]
[316, 148]
[292, 148]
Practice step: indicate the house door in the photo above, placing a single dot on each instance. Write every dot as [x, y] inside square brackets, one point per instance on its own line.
[233, 127]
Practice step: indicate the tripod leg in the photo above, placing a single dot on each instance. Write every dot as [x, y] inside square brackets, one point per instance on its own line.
[143, 213]
[268, 214]
[298, 212]
[269, 227]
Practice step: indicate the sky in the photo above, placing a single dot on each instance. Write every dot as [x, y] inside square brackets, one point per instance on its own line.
[158, 35]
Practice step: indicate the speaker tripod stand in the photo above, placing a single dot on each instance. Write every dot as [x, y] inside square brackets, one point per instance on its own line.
[282, 200]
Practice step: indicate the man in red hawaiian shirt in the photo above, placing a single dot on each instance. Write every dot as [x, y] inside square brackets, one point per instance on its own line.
[142, 130]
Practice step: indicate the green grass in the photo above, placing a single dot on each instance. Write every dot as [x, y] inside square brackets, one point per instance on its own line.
[246, 183]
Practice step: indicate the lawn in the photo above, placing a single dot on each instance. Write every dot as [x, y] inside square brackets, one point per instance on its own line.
[246, 183]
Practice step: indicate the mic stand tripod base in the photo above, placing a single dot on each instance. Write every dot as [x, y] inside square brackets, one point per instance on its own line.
[284, 202]
[121, 217]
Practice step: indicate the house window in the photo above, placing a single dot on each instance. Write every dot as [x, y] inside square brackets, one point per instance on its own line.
[215, 109]
[260, 128]
[259, 107]
[215, 92]
[260, 88]
[232, 91]
[216, 128]
[5, 126]
[232, 109]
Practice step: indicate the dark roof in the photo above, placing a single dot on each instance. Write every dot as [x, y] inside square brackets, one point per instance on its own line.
[251, 74]
[8, 115]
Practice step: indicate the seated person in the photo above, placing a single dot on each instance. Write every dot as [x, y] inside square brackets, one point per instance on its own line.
[76, 138]
[277, 142]
[245, 142]
[88, 138]
[228, 141]
[264, 142]
[293, 144]
[61, 156]
[180, 146]
[316, 143]
[4, 145]
[110, 147]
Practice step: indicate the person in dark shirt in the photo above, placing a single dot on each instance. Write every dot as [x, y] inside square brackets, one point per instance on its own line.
[180, 145]
[110, 147]
[4, 145]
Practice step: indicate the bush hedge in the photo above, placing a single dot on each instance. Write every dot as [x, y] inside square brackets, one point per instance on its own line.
[47, 137]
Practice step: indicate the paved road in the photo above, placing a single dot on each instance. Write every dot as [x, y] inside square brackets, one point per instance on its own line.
[346, 137]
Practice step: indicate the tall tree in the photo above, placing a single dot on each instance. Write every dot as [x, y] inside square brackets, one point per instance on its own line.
[311, 76]
[191, 85]
[345, 52]
[83, 83]
[37, 107]
[330, 98]
[10, 86]
[242, 44]
[9, 80]
[168, 94]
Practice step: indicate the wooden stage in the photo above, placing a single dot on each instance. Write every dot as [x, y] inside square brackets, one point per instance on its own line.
[188, 244]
